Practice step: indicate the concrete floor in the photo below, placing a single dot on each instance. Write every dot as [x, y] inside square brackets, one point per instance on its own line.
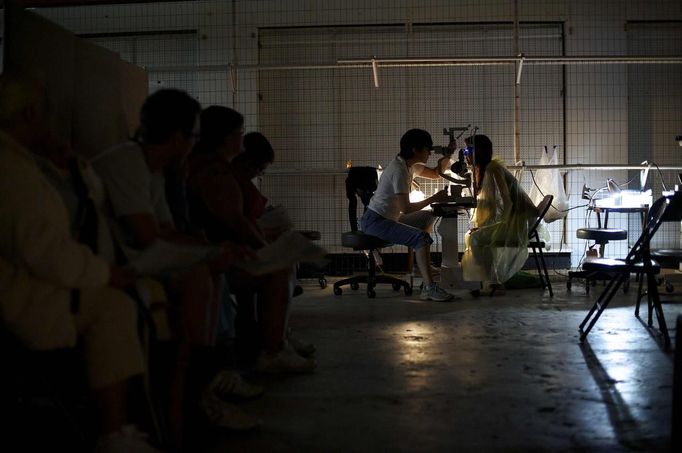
[491, 374]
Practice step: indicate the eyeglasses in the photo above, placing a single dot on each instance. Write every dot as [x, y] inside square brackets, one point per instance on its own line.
[260, 169]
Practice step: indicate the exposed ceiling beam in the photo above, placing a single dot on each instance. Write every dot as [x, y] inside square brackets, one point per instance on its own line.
[57, 3]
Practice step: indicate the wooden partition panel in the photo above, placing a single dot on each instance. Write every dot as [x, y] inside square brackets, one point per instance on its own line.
[93, 97]
[45, 52]
[134, 89]
[98, 117]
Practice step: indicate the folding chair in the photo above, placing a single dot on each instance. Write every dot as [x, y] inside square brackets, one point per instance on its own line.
[665, 209]
[536, 245]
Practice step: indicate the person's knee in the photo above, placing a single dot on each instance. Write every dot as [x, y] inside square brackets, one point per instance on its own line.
[422, 240]
[113, 351]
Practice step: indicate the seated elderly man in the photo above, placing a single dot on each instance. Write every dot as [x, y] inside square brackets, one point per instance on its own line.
[53, 289]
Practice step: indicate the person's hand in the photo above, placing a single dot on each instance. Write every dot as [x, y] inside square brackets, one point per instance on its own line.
[466, 179]
[443, 163]
[120, 277]
[232, 254]
[273, 233]
[239, 252]
[440, 196]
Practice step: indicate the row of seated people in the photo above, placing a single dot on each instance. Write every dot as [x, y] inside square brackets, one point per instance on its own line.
[70, 228]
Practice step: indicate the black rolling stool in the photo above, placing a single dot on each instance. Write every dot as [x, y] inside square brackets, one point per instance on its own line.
[601, 237]
[362, 182]
[669, 259]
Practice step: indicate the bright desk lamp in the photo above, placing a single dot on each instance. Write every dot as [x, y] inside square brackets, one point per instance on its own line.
[625, 198]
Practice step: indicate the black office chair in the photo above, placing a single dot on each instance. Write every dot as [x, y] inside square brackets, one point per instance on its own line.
[362, 182]
[638, 260]
[536, 245]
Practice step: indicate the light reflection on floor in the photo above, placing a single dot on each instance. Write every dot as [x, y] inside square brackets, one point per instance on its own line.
[503, 373]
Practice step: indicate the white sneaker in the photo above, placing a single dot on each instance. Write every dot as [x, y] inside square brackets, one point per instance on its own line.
[285, 361]
[228, 385]
[228, 416]
[302, 348]
[128, 440]
[435, 292]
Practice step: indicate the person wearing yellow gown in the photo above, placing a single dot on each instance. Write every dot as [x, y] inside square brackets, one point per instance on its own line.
[496, 246]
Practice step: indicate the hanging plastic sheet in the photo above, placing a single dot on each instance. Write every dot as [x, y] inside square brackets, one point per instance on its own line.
[549, 182]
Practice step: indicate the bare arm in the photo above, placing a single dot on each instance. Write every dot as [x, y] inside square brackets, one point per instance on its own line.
[143, 228]
[406, 207]
[223, 197]
[437, 171]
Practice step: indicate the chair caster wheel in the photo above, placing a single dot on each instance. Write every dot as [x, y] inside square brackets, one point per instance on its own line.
[354, 286]
[371, 293]
[396, 286]
[408, 291]
[338, 291]
[323, 283]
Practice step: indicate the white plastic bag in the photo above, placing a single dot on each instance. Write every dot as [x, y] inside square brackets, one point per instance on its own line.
[544, 235]
[549, 182]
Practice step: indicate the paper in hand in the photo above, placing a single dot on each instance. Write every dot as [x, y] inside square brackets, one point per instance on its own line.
[162, 257]
[275, 218]
[290, 248]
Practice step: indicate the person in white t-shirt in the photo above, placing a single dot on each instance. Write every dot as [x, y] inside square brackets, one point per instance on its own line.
[392, 217]
[132, 174]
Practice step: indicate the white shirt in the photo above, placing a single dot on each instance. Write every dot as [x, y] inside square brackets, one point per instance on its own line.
[132, 189]
[396, 179]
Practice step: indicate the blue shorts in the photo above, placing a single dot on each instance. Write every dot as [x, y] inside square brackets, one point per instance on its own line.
[397, 232]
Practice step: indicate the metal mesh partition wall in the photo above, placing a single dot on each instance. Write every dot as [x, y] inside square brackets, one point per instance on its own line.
[2, 41]
[323, 118]
[654, 110]
[154, 50]
[276, 62]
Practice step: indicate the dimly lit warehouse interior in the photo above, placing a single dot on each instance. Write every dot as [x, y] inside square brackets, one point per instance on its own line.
[463, 232]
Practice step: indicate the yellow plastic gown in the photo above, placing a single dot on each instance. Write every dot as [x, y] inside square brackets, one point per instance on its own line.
[496, 247]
